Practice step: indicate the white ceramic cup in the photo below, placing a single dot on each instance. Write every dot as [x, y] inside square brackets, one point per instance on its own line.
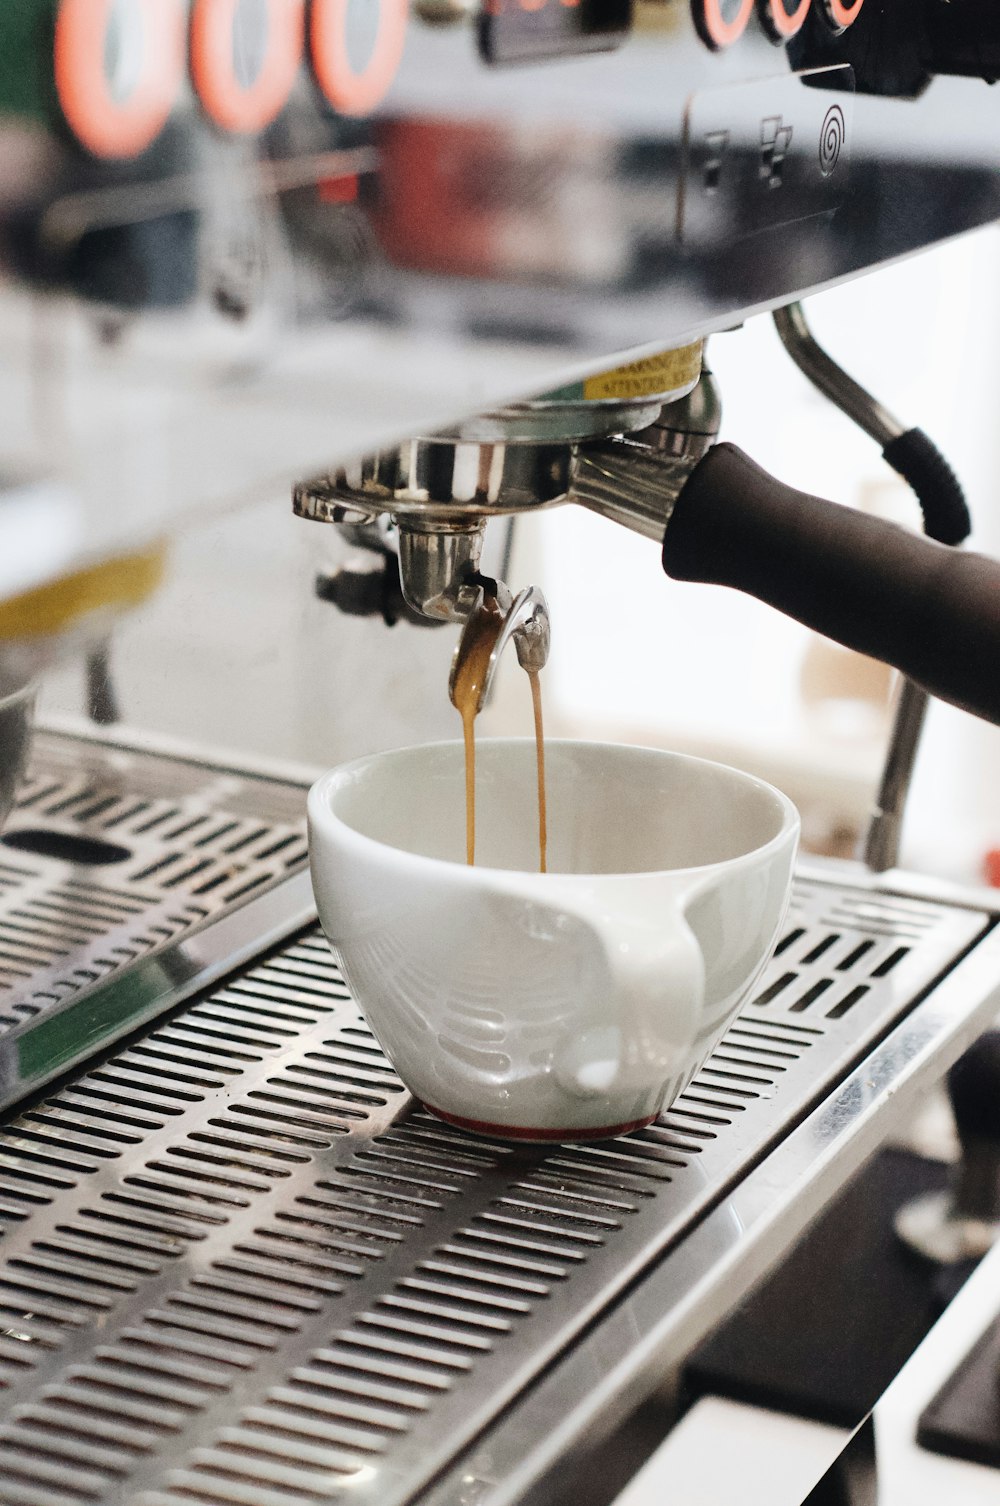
[570, 1004]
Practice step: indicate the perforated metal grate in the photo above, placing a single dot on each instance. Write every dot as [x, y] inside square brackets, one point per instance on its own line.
[111, 856]
[838, 949]
[241, 1266]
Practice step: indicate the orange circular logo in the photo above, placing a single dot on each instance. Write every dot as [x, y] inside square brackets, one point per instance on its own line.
[118, 116]
[779, 23]
[119, 64]
[718, 26]
[350, 90]
[842, 13]
[234, 105]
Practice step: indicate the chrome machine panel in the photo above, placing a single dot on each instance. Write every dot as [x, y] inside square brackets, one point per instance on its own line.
[128, 880]
[243, 240]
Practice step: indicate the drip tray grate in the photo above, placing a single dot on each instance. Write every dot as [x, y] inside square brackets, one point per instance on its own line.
[110, 856]
[242, 1266]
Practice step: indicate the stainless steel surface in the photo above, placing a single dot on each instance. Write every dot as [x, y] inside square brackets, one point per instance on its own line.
[111, 861]
[440, 493]
[316, 500]
[242, 1267]
[637, 480]
[616, 401]
[436, 563]
[832, 380]
[461, 480]
[687, 429]
[552, 420]
[437, 483]
[430, 237]
[102, 701]
[70, 1030]
[631, 484]
[526, 622]
[16, 712]
[885, 826]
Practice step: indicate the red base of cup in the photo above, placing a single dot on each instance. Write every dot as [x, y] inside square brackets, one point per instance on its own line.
[515, 1132]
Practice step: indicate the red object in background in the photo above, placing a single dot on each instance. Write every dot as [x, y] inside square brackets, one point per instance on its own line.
[441, 194]
[338, 190]
[991, 867]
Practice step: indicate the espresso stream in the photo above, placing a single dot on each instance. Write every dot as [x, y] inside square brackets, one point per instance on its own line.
[478, 644]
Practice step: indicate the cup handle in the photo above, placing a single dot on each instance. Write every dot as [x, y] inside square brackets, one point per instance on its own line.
[658, 975]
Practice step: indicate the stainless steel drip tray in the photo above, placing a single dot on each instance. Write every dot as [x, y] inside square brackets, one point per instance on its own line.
[112, 860]
[241, 1266]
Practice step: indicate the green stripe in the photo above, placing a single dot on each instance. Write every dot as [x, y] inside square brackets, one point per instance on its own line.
[27, 86]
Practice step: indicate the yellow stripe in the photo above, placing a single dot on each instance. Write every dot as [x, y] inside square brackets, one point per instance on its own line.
[665, 372]
[113, 585]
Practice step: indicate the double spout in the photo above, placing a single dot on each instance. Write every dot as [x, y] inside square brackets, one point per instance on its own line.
[625, 458]
[441, 489]
[524, 622]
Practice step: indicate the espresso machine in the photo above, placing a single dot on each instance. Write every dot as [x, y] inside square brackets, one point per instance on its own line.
[424, 269]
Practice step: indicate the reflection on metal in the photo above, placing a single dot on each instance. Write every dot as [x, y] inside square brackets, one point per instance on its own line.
[177, 963]
[637, 480]
[74, 215]
[102, 698]
[882, 838]
[16, 714]
[525, 621]
[110, 862]
[466, 481]
[440, 492]
[831, 379]
[885, 826]
[241, 1264]
[265, 307]
[625, 481]
[764, 155]
[438, 559]
[528, 625]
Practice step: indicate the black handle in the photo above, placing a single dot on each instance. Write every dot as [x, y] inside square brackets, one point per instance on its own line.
[930, 611]
[974, 1089]
[938, 490]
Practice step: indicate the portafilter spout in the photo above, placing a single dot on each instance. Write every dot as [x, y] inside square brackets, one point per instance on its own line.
[525, 621]
[439, 490]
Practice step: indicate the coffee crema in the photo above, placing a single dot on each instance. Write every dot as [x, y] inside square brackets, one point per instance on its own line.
[478, 642]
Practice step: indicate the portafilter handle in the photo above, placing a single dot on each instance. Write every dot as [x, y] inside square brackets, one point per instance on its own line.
[930, 611]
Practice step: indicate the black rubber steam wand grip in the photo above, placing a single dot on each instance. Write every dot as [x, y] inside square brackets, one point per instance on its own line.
[931, 611]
